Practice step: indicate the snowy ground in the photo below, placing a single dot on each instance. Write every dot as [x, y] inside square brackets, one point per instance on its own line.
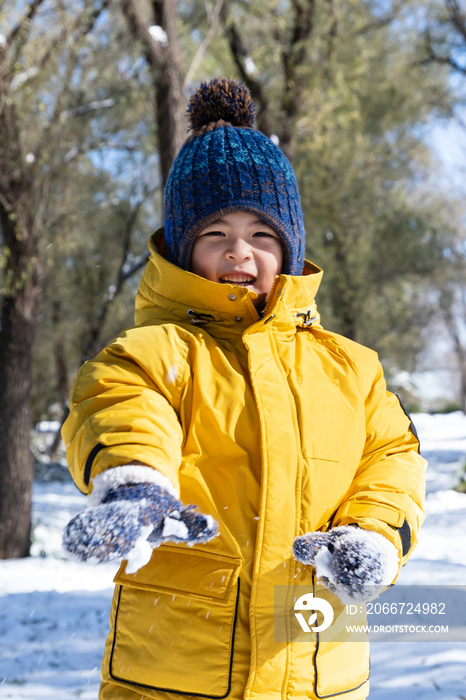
[54, 612]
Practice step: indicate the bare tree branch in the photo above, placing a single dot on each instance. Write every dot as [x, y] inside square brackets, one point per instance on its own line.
[90, 107]
[95, 144]
[66, 89]
[293, 58]
[23, 25]
[201, 49]
[240, 54]
[164, 59]
[124, 272]
[457, 17]
[445, 60]
[136, 266]
[84, 29]
[139, 28]
[450, 112]
[383, 21]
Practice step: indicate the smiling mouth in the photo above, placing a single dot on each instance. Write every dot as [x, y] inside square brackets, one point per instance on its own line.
[240, 280]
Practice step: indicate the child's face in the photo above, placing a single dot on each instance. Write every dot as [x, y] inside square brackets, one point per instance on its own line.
[239, 249]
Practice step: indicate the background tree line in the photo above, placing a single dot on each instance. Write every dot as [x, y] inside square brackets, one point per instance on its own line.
[92, 112]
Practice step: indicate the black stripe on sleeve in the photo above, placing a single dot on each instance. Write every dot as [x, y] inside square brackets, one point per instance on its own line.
[405, 534]
[90, 461]
[412, 427]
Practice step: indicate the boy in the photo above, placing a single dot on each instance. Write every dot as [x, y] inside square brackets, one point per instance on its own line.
[229, 394]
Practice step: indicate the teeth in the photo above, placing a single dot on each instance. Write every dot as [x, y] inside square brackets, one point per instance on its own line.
[245, 280]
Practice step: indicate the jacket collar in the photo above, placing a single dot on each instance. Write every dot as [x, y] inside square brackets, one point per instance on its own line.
[166, 292]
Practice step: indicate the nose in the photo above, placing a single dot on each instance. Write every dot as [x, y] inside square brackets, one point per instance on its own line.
[239, 250]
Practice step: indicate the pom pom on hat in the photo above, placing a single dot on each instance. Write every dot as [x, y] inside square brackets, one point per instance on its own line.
[223, 99]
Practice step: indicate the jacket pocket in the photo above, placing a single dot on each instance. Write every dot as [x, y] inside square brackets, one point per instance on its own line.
[175, 622]
[341, 664]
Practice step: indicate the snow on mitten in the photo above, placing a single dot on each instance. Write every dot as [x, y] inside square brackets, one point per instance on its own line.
[128, 520]
[354, 564]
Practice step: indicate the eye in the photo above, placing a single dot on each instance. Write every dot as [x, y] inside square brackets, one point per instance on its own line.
[264, 234]
[212, 233]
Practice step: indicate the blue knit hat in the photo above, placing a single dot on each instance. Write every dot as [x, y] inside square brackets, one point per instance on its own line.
[226, 166]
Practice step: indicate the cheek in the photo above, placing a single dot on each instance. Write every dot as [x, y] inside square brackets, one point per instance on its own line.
[270, 266]
[196, 259]
[202, 262]
[275, 260]
[279, 259]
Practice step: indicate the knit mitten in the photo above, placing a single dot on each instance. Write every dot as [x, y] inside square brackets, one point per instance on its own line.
[355, 564]
[130, 520]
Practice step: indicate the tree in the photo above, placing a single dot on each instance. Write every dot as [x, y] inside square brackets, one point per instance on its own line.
[98, 287]
[443, 43]
[339, 86]
[444, 39]
[341, 89]
[26, 151]
[294, 48]
[158, 35]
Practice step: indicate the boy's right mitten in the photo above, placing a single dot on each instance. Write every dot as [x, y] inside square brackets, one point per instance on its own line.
[130, 520]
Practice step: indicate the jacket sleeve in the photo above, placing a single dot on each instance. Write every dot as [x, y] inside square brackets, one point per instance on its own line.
[124, 407]
[388, 489]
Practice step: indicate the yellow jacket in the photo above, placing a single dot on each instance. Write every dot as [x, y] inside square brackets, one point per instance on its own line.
[276, 428]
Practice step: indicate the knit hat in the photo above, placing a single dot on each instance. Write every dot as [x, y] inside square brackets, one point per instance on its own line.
[226, 166]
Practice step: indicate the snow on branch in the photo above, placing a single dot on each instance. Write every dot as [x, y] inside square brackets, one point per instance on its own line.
[158, 34]
[83, 109]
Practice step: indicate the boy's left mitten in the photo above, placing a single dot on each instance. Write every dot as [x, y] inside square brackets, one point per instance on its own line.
[355, 564]
[127, 520]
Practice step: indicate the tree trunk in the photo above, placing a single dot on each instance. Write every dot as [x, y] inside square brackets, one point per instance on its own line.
[168, 83]
[61, 366]
[60, 354]
[18, 318]
[446, 304]
[294, 57]
[165, 62]
[463, 387]
[23, 196]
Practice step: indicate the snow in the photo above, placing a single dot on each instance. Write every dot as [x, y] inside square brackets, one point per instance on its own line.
[54, 611]
[48, 426]
[431, 670]
[127, 474]
[366, 546]
[174, 528]
[249, 66]
[141, 552]
[158, 34]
